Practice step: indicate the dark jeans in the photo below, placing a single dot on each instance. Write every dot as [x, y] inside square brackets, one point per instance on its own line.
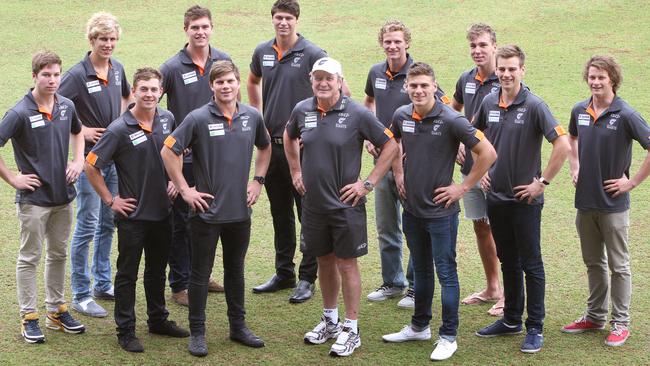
[154, 237]
[179, 256]
[516, 231]
[234, 237]
[434, 241]
[282, 195]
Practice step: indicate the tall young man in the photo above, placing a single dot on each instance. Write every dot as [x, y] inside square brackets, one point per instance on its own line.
[187, 86]
[602, 129]
[332, 128]
[142, 206]
[279, 79]
[471, 88]
[99, 89]
[385, 93]
[515, 120]
[41, 126]
[221, 135]
[430, 133]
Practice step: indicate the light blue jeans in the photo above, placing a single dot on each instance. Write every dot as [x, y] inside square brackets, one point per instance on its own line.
[389, 234]
[94, 222]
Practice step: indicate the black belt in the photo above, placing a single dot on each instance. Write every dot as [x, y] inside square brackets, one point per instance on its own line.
[277, 140]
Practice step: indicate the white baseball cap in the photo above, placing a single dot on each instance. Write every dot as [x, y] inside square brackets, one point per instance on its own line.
[329, 65]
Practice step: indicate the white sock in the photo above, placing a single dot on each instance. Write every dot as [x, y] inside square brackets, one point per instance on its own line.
[332, 315]
[352, 324]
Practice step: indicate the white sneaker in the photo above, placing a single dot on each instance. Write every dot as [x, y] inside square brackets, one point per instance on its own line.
[408, 334]
[323, 331]
[408, 301]
[444, 349]
[384, 292]
[345, 343]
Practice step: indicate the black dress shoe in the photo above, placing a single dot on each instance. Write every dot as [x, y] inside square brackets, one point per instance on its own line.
[246, 337]
[274, 284]
[303, 292]
[169, 328]
[129, 342]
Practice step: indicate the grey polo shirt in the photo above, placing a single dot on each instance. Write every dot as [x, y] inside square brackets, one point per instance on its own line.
[285, 79]
[222, 149]
[605, 151]
[186, 85]
[389, 90]
[516, 131]
[40, 143]
[430, 145]
[332, 146]
[98, 101]
[470, 91]
[140, 170]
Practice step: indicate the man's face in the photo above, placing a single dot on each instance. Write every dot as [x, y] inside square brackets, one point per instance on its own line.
[421, 89]
[325, 86]
[198, 32]
[46, 81]
[510, 72]
[284, 24]
[394, 45]
[482, 49]
[225, 88]
[104, 45]
[147, 93]
[599, 82]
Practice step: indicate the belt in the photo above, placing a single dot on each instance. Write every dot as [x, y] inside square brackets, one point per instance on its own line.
[277, 140]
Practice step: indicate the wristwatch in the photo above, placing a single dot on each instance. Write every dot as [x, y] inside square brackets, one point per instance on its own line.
[259, 179]
[368, 185]
[543, 181]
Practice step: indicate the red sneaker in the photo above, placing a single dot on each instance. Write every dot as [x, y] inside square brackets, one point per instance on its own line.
[582, 325]
[618, 335]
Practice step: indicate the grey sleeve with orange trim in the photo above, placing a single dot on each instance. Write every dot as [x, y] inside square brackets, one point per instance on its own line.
[102, 153]
[262, 138]
[168, 79]
[466, 133]
[370, 91]
[68, 86]
[547, 123]
[395, 125]
[638, 129]
[479, 120]
[182, 136]
[126, 88]
[256, 68]
[292, 126]
[573, 124]
[10, 126]
[458, 94]
[373, 130]
[75, 123]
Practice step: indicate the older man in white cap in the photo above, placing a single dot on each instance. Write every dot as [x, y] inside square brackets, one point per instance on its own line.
[332, 129]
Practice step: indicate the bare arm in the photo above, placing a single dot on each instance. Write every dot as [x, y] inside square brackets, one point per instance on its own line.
[75, 167]
[19, 181]
[174, 166]
[292, 151]
[617, 186]
[346, 89]
[262, 160]
[254, 87]
[456, 105]
[398, 169]
[353, 192]
[574, 162]
[126, 101]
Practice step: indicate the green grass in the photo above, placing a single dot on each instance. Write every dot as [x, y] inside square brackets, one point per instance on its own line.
[558, 37]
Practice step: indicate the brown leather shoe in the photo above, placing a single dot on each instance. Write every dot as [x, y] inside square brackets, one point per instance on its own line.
[180, 298]
[214, 286]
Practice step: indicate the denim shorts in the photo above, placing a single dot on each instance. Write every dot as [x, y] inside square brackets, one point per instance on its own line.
[475, 202]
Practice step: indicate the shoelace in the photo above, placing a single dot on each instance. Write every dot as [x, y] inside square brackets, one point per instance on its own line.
[582, 319]
[32, 326]
[66, 318]
[410, 293]
[618, 330]
[383, 288]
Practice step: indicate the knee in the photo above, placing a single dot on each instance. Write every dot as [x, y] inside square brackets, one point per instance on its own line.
[347, 266]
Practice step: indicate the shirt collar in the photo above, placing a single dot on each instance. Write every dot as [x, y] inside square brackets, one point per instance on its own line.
[521, 96]
[186, 59]
[434, 112]
[338, 106]
[402, 71]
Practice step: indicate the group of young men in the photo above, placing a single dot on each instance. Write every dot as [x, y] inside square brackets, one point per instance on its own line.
[176, 182]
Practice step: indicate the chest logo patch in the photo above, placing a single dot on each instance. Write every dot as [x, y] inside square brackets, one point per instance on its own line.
[470, 88]
[436, 130]
[137, 138]
[380, 83]
[494, 116]
[584, 119]
[116, 76]
[268, 60]
[296, 61]
[189, 77]
[37, 120]
[341, 123]
[93, 86]
[519, 119]
[612, 124]
[408, 126]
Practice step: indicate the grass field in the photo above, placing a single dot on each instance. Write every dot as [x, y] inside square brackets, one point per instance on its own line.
[557, 36]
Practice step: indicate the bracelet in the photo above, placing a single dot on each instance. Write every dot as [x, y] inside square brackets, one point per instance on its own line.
[110, 204]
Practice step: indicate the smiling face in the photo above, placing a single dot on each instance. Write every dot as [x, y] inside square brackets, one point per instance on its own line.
[46, 81]
[510, 72]
[394, 45]
[225, 88]
[198, 32]
[104, 45]
[326, 86]
[147, 93]
[421, 90]
[599, 83]
[284, 24]
[482, 49]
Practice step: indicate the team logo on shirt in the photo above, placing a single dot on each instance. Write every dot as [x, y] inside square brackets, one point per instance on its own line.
[311, 119]
[37, 120]
[408, 126]
[470, 88]
[518, 118]
[189, 77]
[63, 112]
[495, 87]
[138, 137]
[296, 60]
[436, 129]
[340, 123]
[245, 127]
[216, 129]
[116, 75]
[494, 116]
[584, 119]
[612, 124]
[380, 83]
[93, 86]
[268, 60]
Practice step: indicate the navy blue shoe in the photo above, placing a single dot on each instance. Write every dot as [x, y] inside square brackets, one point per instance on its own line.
[533, 342]
[499, 328]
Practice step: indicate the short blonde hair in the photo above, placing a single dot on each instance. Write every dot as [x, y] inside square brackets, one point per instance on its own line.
[394, 26]
[102, 23]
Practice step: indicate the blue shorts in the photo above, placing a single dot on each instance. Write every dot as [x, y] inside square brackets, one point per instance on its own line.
[475, 202]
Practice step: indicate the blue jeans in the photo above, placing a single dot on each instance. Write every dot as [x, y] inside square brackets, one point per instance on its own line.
[389, 234]
[94, 222]
[516, 231]
[433, 241]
